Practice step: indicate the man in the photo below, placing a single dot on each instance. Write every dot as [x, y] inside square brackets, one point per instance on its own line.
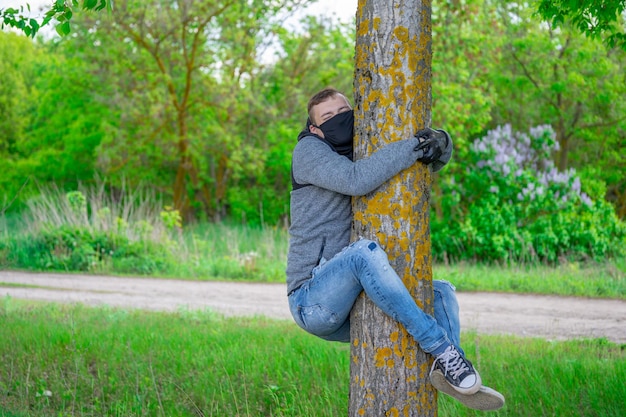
[326, 273]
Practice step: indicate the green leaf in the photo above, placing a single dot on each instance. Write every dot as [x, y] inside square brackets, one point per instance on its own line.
[90, 4]
[34, 24]
[63, 29]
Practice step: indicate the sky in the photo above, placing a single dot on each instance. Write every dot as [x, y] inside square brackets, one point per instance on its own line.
[344, 9]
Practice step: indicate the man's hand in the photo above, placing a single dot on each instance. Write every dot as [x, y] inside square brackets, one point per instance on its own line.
[432, 144]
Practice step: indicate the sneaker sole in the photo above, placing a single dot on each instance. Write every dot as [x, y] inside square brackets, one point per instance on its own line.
[465, 391]
[485, 399]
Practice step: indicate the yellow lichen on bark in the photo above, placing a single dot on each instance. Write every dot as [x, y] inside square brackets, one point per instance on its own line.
[363, 27]
[382, 357]
[424, 369]
[392, 101]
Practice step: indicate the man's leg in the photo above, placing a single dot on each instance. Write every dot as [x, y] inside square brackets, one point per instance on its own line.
[322, 305]
[446, 308]
[447, 316]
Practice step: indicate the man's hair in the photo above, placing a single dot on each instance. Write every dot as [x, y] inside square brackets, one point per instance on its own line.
[321, 97]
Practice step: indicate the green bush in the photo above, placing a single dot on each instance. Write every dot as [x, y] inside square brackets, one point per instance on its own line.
[88, 231]
[519, 207]
[76, 248]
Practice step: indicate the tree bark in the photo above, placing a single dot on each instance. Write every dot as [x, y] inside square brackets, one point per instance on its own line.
[389, 372]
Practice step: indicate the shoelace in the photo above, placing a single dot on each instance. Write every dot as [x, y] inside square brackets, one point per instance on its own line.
[452, 362]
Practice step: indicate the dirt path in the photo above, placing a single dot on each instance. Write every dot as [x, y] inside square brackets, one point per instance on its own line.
[526, 315]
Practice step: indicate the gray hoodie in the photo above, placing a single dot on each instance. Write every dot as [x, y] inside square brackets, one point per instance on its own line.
[321, 212]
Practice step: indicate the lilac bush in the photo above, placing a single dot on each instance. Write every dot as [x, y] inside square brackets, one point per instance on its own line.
[511, 154]
[519, 206]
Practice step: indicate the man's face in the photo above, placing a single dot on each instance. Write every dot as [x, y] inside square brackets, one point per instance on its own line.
[326, 110]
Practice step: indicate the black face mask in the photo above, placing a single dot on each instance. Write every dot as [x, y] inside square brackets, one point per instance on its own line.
[339, 132]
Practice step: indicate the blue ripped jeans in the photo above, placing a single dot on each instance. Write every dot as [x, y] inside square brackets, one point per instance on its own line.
[322, 305]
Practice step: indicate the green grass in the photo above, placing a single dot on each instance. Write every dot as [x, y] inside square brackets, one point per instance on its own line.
[106, 362]
[244, 253]
[607, 280]
[60, 360]
[88, 231]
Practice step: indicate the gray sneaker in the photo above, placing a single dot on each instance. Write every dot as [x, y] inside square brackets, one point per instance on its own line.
[486, 399]
[457, 371]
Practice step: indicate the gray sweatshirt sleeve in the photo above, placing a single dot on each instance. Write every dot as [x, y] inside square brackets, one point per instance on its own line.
[314, 162]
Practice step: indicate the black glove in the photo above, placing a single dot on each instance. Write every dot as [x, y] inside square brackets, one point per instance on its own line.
[432, 144]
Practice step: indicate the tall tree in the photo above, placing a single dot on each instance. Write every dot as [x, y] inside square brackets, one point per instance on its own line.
[577, 86]
[17, 57]
[393, 99]
[562, 73]
[595, 18]
[466, 43]
[58, 119]
[319, 54]
[179, 106]
[17, 69]
[68, 122]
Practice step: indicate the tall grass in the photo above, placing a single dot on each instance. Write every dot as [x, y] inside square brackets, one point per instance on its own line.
[132, 233]
[61, 360]
[230, 250]
[136, 213]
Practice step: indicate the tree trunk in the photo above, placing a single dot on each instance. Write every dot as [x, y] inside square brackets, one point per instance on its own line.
[389, 372]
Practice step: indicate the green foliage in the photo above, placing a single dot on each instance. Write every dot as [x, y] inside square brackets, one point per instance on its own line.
[77, 202]
[207, 118]
[18, 95]
[16, 18]
[594, 18]
[78, 249]
[84, 231]
[69, 123]
[171, 219]
[519, 207]
[575, 85]
[130, 233]
[463, 53]
[61, 11]
[193, 122]
[17, 57]
[56, 122]
[127, 235]
[319, 54]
